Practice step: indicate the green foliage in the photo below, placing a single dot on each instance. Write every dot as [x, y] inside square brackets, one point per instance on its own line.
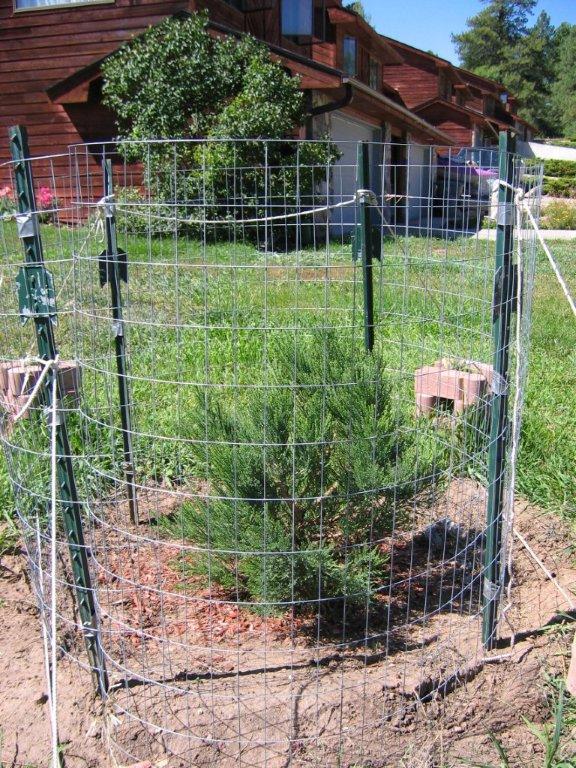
[178, 81]
[300, 470]
[565, 89]
[570, 143]
[559, 187]
[500, 44]
[560, 215]
[358, 7]
[137, 214]
[9, 533]
[560, 168]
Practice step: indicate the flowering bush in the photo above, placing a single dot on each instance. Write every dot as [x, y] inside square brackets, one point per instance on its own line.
[7, 202]
[47, 203]
[45, 197]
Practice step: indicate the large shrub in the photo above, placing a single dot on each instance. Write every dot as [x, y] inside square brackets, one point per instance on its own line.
[560, 186]
[559, 215]
[560, 168]
[177, 81]
[305, 476]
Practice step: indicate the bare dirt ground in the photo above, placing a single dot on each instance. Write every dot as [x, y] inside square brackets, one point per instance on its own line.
[233, 688]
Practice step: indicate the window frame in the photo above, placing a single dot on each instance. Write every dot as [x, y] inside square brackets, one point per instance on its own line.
[345, 40]
[296, 35]
[59, 6]
[374, 69]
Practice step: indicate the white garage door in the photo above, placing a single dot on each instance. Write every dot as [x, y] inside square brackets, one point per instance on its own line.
[347, 132]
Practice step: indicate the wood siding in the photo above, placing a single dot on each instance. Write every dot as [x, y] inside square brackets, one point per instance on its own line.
[414, 85]
[39, 48]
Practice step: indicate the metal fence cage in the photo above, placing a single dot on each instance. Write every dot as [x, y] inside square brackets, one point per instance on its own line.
[279, 526]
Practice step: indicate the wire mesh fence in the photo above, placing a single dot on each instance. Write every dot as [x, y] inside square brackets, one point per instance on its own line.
[291, 379]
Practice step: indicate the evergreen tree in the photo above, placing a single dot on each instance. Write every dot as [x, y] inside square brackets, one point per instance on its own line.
[564, 95]
[501, 45]
[358, 7]
[502, 24]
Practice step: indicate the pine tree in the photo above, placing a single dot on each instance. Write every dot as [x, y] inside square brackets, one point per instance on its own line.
[358, 7]
[491, 33]
[564, 95]
[500, 44]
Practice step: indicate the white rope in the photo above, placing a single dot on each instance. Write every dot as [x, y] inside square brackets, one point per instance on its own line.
[48, 365]
[53, 556]
[46, 652]
[521, 207]
[566, 595]
[51, 661]
[104, 202]
[510, 512]
[551, 259]
[520, 201]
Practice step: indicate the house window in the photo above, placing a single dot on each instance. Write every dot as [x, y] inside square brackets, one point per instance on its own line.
[350, 55]
[22, 5]
[374, 74]
[297, 18]
[444, 86]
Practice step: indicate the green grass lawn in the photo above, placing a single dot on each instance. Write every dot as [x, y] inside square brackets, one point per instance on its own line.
[546, 472]
[206, 316]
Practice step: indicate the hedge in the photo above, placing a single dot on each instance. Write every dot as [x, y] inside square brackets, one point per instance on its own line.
[561, 168]
[559, 187]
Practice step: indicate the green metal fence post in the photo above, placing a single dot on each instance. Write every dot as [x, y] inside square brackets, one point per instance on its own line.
[113, 269]
[503, 307]
[37, 301]
[367, 242]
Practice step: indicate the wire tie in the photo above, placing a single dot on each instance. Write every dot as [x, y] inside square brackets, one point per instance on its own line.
[25, 224]
[108, 204]
[492, 591]
[366, 196]
[499, 384]
[117, 328]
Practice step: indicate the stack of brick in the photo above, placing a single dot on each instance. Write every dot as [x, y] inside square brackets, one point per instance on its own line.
[443, 383]
[19, 377]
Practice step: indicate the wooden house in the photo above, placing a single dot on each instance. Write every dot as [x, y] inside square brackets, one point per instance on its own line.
[359, 84]
[469, 108]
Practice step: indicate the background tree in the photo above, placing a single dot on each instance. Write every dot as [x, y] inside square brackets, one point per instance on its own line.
[500, 44]
[358, 7]
[564, 98]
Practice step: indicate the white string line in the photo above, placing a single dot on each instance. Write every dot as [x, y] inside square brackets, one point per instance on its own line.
[53, 555]
[553, 264]
[51, 672]
[566, 595]
[510, 511]
[48, 365]
[520, 200]
[46, 652]
[104, 203]
[522, 206]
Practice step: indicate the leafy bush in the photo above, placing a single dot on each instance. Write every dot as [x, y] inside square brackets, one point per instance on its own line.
[139, 215]
[560, 168]
[177, 81]
[559, 187]
[559, 215]
[7, 202]
[305, 476]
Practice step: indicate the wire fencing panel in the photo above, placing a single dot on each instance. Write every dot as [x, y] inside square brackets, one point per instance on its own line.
[286, 531]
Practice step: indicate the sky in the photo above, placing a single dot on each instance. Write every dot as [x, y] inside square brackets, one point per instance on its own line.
[428, 24]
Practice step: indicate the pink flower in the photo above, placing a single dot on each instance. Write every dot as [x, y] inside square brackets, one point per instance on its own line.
[6, 192]
[45, 197]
